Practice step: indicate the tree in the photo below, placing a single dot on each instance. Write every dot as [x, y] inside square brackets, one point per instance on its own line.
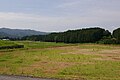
[88, 35]
[116, 34]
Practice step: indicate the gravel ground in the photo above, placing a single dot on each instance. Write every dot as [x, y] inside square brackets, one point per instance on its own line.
[5, 77]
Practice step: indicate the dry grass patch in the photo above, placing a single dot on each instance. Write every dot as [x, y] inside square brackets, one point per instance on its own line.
[89, 61]
[51, 67]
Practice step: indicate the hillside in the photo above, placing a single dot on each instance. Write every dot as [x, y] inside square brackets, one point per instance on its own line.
[18, 33]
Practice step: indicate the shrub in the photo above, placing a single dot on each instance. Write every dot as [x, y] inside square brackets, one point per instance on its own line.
[12, 47]
[109, 41]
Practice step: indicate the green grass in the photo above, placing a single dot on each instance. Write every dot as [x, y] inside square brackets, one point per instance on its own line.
[37, 44]
[100, 70]
[6, 43]
[64, 61]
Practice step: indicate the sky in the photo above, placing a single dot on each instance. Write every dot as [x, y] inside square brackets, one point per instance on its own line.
[59, 15]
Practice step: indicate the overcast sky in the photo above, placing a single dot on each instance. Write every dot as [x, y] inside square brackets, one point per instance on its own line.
[59, 15]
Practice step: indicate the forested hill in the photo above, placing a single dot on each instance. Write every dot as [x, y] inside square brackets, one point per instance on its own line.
[88, 35]
[18, 33]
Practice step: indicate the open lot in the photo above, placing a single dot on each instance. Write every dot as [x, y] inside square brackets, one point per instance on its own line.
[62, 61]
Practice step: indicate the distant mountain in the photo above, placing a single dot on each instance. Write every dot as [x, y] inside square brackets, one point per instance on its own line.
[2, 34]
[18, 33]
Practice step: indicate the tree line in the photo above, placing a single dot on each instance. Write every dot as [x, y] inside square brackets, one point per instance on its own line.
[87, 35]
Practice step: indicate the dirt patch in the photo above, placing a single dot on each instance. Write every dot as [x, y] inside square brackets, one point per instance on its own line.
[81, 51]
[116, 59]
[107, 59]
[47, 67]
[105, 54]
[56, 47]
[117, 51]
[110, 55]
[103, 59]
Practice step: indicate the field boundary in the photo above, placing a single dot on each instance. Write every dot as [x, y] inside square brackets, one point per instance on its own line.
[12, 47]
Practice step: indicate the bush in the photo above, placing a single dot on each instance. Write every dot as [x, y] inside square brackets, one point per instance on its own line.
[116, 34]
[109, 41]
[12, 47]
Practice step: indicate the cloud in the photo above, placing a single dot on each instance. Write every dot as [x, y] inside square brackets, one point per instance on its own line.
[68, 4]
[59, 15]
[105, 18]
[39, 22]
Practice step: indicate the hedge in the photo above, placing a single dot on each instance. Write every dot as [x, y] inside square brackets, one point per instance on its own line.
[12, 47]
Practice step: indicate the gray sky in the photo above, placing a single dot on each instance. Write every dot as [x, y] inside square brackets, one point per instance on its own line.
[59, 15]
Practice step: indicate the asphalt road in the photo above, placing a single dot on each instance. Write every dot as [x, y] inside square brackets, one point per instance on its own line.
[5, 77]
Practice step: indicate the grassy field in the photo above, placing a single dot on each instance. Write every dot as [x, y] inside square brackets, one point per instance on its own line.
[62, 61]
[35, 44]
[6, 43]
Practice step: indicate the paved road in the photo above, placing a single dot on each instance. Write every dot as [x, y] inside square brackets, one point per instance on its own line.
[4, 77]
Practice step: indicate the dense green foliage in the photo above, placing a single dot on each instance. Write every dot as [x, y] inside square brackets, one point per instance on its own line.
[116, 34]
[88, 35]
[12, 47]
[109, 41]
[34, 38]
